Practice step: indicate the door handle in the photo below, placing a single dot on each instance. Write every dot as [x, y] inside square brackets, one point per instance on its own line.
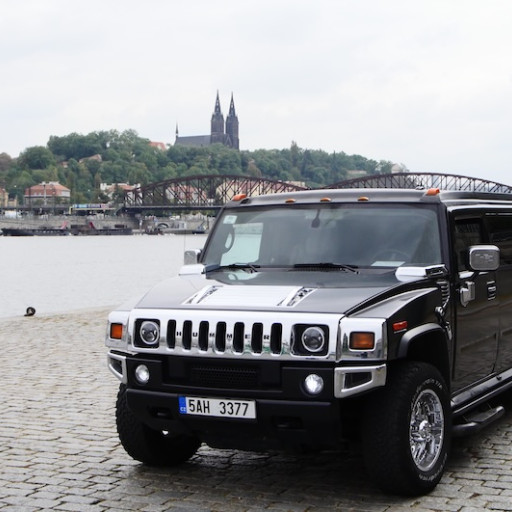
[467, 293]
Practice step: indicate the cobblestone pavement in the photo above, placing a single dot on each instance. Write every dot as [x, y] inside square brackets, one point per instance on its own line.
[59, 448]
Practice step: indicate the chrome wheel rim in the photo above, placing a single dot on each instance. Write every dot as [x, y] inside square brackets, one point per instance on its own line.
[426, 430]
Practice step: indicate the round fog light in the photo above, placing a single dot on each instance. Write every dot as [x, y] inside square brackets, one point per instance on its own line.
[314, 384]
[142, 374]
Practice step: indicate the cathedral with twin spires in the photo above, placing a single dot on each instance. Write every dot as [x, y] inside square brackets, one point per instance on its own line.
[220, 132]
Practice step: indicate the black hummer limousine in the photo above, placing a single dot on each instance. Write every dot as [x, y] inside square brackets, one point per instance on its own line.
[310, 318]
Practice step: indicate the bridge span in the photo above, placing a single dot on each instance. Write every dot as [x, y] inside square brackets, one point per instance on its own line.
[211, 192]
[201, 192]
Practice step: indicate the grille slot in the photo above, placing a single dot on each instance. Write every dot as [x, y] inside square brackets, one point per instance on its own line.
[171, 334]
[203, 335]
[257, 338]
[276, 338]
[220, 337]
[238, 337]
[186, 339]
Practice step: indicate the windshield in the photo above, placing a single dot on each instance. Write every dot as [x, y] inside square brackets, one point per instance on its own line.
[345, 235]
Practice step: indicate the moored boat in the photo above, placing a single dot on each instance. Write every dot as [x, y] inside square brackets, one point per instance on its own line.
[35, 232]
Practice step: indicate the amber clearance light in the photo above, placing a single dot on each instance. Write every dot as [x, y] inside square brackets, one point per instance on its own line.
[362, 341]
[116, 331]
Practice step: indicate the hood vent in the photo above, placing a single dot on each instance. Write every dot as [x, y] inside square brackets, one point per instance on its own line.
[295, 297]
[249, 296]
[202, 295]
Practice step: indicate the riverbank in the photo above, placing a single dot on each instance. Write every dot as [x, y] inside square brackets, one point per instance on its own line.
[48, 225]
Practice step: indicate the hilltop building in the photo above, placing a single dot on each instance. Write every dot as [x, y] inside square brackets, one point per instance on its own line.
[220, 132]
[47, 194]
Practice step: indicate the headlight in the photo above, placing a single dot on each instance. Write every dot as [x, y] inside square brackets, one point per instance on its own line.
[313, 339]
[149, 333]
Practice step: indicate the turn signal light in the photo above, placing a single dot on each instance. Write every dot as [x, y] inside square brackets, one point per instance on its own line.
[239, 197]
[362, 341]
[116, 331]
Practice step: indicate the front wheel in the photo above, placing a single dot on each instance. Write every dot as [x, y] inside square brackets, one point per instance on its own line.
[407, 430]
[152, 447]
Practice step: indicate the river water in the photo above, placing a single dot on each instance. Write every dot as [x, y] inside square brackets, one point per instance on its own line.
[66, 273]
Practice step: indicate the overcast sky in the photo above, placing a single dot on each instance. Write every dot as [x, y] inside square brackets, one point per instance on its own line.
[427, 83]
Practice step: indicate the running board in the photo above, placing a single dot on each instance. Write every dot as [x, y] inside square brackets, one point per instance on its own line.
[477, 420]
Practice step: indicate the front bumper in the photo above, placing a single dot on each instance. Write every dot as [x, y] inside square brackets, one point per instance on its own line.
[347, 380]
[280, 424]
[287, 416]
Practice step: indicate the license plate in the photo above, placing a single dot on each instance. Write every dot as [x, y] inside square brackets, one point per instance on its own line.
[219, 407]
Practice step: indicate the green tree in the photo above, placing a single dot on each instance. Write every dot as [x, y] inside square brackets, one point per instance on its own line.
[5, 162]
[36, 157]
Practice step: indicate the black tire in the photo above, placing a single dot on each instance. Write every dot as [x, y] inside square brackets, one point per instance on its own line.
[398, 433]
[149, 446]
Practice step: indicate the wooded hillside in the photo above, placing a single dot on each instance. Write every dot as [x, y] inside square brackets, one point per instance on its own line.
[82, 162]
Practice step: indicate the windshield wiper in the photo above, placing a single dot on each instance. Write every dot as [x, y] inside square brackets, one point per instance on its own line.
[248, 267]
[326, 266]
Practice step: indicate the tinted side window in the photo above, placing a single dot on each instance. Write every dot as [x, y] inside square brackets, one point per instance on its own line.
[500, 234]
[468, 232]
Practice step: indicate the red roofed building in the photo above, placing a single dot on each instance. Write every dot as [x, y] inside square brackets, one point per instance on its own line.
[158, 145]
[47, 194]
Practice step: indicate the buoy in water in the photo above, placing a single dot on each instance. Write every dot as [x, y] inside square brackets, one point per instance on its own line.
[30, 311]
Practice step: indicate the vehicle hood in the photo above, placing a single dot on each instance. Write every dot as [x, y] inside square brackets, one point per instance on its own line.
[302, 292]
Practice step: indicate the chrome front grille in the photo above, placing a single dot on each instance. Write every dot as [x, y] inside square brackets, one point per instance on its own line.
[219, 333]
[218, 337]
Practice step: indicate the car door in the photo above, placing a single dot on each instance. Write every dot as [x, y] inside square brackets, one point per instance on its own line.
[476, 306]
[499, 227]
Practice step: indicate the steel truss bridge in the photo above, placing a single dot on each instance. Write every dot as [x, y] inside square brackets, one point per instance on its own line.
[204, 192]
[424, 180]
[211, 192]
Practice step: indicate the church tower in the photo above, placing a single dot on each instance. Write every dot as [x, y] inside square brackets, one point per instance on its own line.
[220, 132]
[232, 127]
[217, 124]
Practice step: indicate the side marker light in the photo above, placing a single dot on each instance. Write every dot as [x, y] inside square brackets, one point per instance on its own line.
[400, 326]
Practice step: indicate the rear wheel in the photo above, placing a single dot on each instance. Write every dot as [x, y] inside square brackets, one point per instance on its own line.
[152, 447]
[407, 430]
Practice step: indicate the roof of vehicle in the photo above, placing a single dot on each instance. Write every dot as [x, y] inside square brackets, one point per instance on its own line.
[380, 195]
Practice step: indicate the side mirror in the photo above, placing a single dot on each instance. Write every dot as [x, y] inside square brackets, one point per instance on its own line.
[484, 258]
[192, 256]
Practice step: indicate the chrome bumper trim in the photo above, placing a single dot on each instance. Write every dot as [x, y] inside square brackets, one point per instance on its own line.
[117, 365]
[371, 377]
